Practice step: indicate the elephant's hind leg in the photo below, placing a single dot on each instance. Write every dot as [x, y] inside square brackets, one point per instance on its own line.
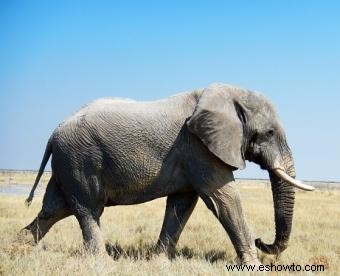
[93, 239]
[178, 210]
[87, 208]
[54, 209]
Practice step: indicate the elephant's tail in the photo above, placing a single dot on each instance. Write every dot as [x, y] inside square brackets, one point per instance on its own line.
[47, 154]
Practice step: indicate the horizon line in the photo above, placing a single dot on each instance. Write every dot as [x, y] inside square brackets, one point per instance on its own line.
[236, 178]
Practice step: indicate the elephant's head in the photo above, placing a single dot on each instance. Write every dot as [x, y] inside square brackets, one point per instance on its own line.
[238, 125]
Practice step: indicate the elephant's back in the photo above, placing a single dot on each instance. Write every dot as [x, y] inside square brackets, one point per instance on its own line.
[109, 119]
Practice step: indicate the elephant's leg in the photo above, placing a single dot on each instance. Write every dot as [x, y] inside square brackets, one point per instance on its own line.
[226, 205]
[93, 239]
[86, 201]
[178, 210]
[54, 209]
[39, 227]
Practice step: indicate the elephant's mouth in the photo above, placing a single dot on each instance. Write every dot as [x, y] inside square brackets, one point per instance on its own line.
[289, 178]
[296, 183]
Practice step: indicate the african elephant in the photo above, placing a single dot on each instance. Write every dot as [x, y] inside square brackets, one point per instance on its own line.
[120, 152]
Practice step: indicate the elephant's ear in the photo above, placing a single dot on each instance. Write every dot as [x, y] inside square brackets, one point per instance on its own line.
[217, 122]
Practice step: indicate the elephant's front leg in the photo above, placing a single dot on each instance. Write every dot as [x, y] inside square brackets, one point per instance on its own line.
[225, 203]
[178, 210]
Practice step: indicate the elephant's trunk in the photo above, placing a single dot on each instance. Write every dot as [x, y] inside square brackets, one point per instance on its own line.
[283, 197]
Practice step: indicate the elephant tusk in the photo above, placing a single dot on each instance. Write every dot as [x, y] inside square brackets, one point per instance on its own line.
[296, 183]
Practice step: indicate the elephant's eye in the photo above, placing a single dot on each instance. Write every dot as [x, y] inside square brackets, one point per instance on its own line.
[270, 133]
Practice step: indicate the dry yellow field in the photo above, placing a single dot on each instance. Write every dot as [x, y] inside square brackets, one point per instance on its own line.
[22, 177]
[204, 247]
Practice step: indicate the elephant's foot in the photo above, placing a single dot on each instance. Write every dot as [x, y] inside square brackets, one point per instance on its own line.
[163, 259]
[93, 240]
[25, 236]
[165, 249]
[249, 258]
[38, 228]
[95, 246]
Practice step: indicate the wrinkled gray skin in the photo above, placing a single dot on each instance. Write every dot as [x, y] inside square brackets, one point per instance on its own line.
[121, 152]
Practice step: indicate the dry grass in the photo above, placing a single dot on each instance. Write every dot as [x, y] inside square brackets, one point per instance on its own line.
[204, 248]
[22, 177]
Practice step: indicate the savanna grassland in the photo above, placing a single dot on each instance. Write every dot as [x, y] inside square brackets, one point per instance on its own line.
[131, 231]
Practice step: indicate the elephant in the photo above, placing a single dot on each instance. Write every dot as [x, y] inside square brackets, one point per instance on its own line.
[117, 151]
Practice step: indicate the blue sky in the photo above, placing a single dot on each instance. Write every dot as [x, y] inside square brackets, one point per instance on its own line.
[55, 56]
